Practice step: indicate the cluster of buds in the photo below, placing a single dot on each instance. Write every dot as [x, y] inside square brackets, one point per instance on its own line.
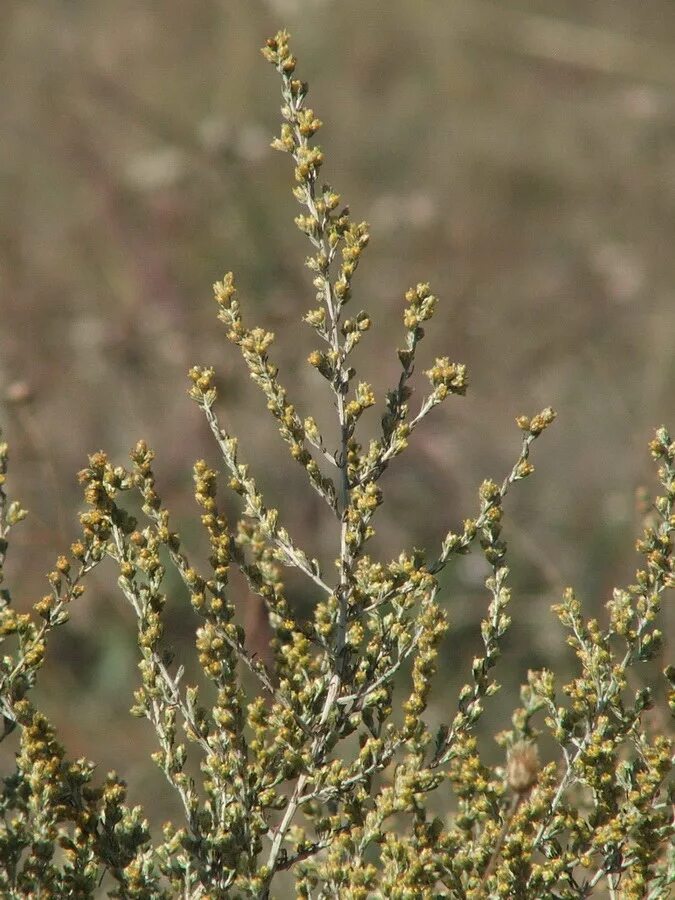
[447, 378]
[535, 425]
[421, 305]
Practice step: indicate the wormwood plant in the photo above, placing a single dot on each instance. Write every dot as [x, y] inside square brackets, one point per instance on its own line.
[317, 769]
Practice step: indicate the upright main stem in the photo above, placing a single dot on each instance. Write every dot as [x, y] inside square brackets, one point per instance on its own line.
[340, 386]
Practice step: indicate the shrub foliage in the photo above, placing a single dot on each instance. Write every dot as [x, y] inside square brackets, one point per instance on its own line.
[314, 765]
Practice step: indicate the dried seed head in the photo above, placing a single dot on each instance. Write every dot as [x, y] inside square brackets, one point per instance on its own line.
[522, 768]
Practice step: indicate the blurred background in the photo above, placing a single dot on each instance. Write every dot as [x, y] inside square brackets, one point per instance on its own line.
[520, 157]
